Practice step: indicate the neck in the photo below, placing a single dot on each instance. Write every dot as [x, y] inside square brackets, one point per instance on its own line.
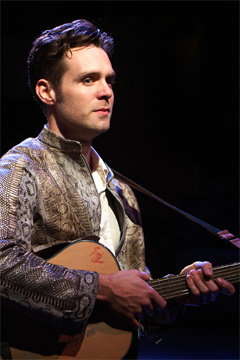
[86, 151]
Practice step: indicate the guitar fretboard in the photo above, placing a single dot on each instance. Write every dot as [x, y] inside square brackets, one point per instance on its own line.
[174, 286]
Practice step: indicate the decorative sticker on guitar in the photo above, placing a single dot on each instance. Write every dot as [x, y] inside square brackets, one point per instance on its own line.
[96, 256]
[90, 332]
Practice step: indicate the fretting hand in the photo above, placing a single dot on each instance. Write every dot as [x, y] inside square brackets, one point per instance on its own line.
[201, 286]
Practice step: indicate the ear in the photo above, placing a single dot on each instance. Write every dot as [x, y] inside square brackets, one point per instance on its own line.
[45, 92]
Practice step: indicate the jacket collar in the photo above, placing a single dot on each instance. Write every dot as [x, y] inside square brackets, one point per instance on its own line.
[55, 141]
[69, 146]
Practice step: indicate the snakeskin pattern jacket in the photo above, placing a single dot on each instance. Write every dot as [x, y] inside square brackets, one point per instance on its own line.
[48, 198]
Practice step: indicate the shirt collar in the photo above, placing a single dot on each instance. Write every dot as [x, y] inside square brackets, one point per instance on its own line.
[99, 166]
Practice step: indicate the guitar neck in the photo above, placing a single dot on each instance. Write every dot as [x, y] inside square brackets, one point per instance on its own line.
[174, 286]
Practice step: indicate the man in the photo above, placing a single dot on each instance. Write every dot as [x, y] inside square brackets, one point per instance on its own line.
[55, 189]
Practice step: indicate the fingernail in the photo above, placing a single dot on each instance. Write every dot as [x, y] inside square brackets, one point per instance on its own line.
[193, 272]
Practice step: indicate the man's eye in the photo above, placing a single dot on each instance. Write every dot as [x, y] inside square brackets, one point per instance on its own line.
[111, 83]
[87, 81]
[111, 80]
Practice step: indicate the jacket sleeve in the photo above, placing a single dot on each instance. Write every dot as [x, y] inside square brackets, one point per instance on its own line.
[51, 294]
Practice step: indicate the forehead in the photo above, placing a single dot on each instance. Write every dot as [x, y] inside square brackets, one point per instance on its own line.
[90, 58]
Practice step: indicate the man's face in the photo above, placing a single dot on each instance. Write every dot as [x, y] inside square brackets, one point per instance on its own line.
[83, 109]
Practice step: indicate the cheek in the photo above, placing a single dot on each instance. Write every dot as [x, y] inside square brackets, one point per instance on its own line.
[72, 101]
[112, 99]
[77, 98]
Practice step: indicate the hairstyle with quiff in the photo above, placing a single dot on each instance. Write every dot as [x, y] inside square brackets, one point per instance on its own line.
[45, 60]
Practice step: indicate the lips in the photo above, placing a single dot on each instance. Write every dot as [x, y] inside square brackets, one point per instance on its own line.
[103, 111]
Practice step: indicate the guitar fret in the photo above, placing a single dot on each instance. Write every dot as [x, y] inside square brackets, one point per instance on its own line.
[160, 288]
[180, 281]
[169, 284]
[171, 287]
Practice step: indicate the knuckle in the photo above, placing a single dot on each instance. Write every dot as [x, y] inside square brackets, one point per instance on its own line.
[205, 291]
[146, 302]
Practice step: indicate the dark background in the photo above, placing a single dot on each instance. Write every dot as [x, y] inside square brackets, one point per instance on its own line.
[174, 130]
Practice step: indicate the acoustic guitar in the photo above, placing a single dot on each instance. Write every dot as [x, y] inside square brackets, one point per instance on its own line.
[103, 339]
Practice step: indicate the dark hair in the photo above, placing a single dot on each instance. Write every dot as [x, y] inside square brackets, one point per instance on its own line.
[45, 58]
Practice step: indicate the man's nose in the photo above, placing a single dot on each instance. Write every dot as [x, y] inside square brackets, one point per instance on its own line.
[105, 90]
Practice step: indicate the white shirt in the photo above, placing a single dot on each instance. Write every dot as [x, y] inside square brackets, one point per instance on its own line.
[109, 228]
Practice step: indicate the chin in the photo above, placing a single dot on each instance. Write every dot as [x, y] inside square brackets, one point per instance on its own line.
[103, 130]
[93, 133]
[104, 126]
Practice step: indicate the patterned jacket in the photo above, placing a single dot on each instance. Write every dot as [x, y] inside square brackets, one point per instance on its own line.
[48, 198]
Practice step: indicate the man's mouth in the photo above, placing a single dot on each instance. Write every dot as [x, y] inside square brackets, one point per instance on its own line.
[103, 111]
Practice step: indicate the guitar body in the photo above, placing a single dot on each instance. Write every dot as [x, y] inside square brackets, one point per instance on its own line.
[106, 336]
[98, 340]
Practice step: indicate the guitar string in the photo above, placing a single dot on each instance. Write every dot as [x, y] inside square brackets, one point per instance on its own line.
[173, 281]
[173, 294]
[217, 272]
[177, 281]
[176, 285]
[174, 290]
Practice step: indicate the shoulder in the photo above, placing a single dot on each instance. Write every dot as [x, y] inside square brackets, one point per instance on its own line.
[125, 191]
[22, 158]
[28, 150]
